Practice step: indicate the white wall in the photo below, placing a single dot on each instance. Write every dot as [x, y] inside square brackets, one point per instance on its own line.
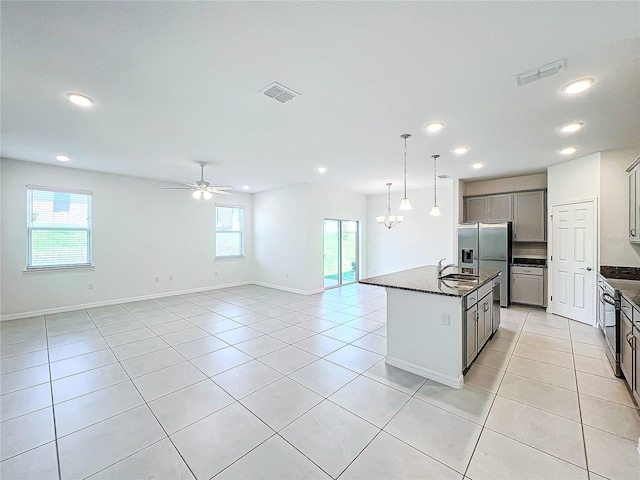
[288, 225]
[615, 249]
[420, 239]
[139, 232]
[510, 184]
[575, 180]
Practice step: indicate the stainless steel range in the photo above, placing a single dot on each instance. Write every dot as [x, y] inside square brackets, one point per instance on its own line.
[609, 322]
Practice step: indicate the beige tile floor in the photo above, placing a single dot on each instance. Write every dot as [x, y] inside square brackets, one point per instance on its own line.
[250, 382]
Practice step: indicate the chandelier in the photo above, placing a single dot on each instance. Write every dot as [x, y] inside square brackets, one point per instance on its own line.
[389, 220]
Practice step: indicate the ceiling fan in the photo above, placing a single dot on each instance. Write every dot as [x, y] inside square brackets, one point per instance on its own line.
[202, 189]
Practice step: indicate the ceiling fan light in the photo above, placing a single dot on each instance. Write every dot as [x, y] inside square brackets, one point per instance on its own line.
[405, 204]
[380, 219]
[197, 194]
[207, 195]
[435, 211]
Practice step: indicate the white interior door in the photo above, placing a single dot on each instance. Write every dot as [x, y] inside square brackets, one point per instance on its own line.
[573, 261]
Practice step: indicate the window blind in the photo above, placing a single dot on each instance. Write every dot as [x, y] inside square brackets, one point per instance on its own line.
[58, 227]
[229, 231]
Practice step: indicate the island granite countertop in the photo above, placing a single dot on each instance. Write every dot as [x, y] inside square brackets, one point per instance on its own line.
[425, 279]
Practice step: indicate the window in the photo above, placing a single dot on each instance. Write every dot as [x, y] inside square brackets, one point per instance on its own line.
[229, 232]
[58, 227]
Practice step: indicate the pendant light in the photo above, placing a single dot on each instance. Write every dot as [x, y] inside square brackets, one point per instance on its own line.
[435, 211]
[405, 204]
[389, 220]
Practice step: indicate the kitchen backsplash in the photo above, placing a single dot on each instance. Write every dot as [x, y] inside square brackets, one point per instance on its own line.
[622, 273]
[529, 249]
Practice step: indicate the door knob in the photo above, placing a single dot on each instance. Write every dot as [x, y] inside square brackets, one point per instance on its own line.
[588, 269]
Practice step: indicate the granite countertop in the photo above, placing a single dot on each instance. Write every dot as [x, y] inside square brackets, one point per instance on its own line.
[630, 289]
[529, 262]
[425, 280]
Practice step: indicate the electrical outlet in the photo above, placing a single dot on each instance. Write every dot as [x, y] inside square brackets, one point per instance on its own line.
[90, 286]
[446, 319]
[157, 279]
[171, 278]
[287, 274]
[215, 274]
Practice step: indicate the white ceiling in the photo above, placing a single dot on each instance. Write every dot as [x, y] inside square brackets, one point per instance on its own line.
[175, 83]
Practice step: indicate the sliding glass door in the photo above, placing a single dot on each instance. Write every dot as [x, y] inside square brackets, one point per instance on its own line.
[340, 252]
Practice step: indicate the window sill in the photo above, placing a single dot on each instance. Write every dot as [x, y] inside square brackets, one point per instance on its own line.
[57, 269]
[230, 257]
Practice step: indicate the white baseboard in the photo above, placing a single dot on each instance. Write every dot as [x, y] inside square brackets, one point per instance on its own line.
[287, 289]
[425, 372]
[68, 308]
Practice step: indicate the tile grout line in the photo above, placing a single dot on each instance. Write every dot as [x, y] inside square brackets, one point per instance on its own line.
[146, 404]
[464, 474]
[53, 403]
[584, 440]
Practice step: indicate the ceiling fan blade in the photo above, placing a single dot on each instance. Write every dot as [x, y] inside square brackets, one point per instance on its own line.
[192, 185]
[223, 187]
[221, 192]
[176, 188]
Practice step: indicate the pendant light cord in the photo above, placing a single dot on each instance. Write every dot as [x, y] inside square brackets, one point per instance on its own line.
[435, 176]
[405, 166]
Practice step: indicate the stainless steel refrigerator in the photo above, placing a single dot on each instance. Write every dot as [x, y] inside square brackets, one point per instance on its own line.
[487, 245]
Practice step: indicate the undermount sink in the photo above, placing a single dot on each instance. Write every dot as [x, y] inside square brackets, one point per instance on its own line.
[460, 277]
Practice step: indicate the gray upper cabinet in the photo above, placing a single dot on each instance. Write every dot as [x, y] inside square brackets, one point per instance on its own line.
[500, 207]
[527, 210]
[529, 215]
[476, 209]
[634, 204]
[488, 208]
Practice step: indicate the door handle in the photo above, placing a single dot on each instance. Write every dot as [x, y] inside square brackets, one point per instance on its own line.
[633, 232]
[588, 269]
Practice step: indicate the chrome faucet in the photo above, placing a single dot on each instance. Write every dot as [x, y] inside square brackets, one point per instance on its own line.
[441, 268]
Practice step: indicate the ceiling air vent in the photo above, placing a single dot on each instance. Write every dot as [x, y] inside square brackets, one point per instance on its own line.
[443, 176]
[539, 73]
[279, 92]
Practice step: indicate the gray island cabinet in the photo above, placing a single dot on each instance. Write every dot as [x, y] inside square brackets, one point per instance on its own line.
[436, 327]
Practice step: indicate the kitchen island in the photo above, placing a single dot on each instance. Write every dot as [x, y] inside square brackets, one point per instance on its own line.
[436, 326]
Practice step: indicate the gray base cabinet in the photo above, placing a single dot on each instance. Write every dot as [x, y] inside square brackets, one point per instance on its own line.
[478, 321]
[528, 286]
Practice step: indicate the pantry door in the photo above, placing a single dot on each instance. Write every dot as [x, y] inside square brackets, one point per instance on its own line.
[573, 261]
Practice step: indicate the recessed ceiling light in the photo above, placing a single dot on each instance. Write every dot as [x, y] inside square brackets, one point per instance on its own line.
[460, 150]
[434, 126]
[477, 165]
[571, 127]
[245, 187]
[568, 150]
[79, 99]
[322, 169]
[578, 86]
[63, 158]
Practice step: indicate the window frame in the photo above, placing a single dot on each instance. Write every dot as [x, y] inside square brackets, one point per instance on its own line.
[240, 232]
[30, 229]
